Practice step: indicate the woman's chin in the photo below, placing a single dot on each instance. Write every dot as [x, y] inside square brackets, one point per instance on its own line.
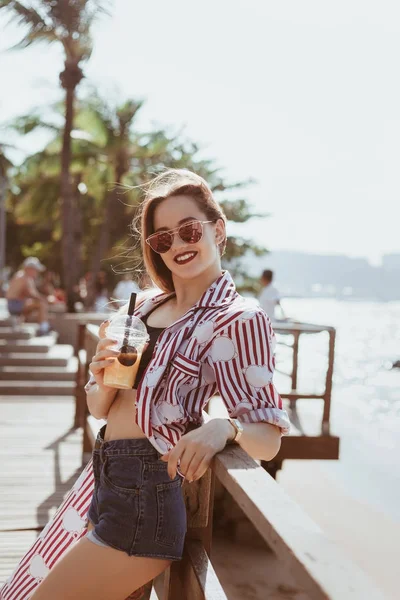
[188, 271]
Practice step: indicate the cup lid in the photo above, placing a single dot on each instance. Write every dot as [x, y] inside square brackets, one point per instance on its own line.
[119, 324]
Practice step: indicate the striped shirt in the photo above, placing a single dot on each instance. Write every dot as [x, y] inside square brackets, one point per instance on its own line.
[221, 344]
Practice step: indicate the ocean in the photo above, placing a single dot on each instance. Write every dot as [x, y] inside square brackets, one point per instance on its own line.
[365, 410]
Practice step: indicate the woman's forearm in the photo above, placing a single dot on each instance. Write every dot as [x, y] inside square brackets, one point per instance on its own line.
[260, 440]
[99, 400]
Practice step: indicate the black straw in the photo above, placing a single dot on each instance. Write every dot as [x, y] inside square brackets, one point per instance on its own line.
[132, 303]
[128, 322]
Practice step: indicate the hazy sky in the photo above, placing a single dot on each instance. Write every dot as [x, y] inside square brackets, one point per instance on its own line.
[302, 96]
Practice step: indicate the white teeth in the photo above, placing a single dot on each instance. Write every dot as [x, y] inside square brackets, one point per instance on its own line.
[185, 256]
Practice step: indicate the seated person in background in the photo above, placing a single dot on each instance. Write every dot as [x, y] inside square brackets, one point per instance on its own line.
[49, 287]
[22, 294]
[124, 288]
[269, 297]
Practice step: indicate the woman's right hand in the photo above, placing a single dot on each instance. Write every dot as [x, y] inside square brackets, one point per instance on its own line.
[104, 357]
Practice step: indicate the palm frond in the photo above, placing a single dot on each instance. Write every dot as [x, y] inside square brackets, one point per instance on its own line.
[39, 29]
[28, 123]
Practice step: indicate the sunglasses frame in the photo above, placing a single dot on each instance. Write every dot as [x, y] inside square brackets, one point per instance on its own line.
[174, 231]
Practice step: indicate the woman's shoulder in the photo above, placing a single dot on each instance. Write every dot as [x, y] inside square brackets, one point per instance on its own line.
[243, 312]
[243, 306]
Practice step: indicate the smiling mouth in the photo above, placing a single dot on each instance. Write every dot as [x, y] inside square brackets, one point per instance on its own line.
[183, 259]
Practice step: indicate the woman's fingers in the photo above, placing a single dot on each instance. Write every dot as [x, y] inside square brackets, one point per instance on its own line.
[105, 343]
[102, 329]
[202, 467]
[103, 359]
[107, 353]
[193, 467]
[98, 365]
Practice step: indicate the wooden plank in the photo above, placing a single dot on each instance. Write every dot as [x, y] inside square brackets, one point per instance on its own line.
[202, 574]
[317, 564]
[292, 327]
[41, 459]
[309, 447]
[197, 500]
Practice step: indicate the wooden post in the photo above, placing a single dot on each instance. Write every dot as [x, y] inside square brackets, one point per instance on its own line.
[80, 396]
[328, 384]
[296, 337]
[199, 501]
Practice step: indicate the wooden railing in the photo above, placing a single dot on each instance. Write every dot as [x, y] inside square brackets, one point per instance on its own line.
[307, 440]
[296, 329]
[300, 549]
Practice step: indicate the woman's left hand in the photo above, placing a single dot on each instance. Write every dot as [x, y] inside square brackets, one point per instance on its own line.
[196, 449]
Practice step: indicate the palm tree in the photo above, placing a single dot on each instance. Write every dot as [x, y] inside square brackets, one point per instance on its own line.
[110, 131]
[107, 149]
[67, 22]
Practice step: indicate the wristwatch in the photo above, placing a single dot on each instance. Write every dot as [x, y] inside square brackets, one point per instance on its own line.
[238, 427]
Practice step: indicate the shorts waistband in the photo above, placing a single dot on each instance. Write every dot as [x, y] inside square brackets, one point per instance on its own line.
[138, 446]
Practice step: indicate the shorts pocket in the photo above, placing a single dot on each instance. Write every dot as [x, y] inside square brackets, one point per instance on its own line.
[171, 513]
[122, 473]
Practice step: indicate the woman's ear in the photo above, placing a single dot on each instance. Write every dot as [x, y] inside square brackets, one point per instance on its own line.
[220, 231]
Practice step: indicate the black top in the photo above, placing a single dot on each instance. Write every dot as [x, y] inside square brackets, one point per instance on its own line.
[154, 333]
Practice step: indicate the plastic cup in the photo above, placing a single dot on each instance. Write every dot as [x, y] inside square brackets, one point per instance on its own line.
[131, 335]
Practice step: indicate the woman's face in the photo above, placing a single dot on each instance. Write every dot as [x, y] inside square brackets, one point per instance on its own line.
[200, 256]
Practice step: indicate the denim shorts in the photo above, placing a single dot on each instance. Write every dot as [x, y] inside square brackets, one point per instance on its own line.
[136, 507]
[15, 306]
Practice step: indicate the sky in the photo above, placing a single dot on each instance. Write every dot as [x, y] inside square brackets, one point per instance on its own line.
[303, 97]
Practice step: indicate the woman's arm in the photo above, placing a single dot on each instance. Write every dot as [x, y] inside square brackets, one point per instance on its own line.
[261, 441]
[196, 449]
[99, 400]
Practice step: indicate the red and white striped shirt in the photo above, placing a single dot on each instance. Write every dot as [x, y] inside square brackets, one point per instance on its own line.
[221, 344]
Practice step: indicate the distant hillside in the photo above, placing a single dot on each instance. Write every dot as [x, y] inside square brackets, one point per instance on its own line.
[301, 274]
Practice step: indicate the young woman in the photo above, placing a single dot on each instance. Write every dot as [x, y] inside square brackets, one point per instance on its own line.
[204, 338]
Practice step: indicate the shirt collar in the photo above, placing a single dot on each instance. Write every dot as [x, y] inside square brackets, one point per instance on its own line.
[220, 293]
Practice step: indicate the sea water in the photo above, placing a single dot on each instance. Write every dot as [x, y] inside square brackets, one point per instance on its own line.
[365, 410]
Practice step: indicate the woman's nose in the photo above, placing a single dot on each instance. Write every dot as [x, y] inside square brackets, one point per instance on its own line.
[177, 242]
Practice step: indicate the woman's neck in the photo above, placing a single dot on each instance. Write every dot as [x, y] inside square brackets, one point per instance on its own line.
[189, 292]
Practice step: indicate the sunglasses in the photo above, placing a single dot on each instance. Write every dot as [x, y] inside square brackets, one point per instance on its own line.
[190, 233]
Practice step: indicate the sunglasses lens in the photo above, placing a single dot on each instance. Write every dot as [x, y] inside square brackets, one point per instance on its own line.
[161, 242]
[191, 233]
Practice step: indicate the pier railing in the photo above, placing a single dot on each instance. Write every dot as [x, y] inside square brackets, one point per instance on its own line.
[299, 549]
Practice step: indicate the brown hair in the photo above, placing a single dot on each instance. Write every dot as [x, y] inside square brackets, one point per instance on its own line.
[173, 182]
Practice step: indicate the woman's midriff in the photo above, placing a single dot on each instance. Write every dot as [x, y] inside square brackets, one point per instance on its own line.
[121, 423]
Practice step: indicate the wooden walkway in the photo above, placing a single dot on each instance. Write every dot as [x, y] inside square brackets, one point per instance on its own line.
[40, 457]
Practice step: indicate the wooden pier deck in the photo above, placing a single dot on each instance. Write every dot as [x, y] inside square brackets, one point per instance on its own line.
[40, 457]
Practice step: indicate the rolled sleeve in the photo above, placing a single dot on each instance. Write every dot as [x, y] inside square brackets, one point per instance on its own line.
[243, 361]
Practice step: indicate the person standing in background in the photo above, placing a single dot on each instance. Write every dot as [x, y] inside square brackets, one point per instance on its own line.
[124, 289]
[269, 297]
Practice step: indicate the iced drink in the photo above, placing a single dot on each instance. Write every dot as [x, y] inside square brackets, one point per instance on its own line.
[131, 335]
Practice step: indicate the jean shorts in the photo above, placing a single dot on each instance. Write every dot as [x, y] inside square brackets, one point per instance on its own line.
[15, 306]
[136, 507]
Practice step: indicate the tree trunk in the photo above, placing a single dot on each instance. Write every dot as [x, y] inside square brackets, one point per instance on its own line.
[3, 188]
[67, 243]
[106, 229]
[69, 78]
